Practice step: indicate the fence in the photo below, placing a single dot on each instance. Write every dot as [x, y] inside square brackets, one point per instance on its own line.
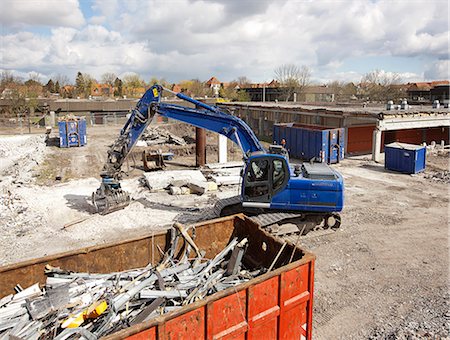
[33, 124]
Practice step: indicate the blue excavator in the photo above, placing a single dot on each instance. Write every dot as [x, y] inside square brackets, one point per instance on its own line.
[270, 184]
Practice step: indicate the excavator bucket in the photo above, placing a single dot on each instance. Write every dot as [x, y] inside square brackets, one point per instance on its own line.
[109, 198]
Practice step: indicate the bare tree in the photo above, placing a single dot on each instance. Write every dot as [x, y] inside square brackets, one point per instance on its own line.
[243, 82]
[34, 76]
[62, 79]
[293, 79]
[108, 78]
[379, 85]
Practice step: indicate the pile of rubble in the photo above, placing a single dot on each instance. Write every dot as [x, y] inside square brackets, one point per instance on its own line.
[156, 136]
[178, 182]
[94, 305]
[439, 176]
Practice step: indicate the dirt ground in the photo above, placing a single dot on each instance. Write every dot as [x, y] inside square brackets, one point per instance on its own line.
[383, 275]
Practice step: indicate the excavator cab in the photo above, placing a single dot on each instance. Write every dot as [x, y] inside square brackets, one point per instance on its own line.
[265, 176]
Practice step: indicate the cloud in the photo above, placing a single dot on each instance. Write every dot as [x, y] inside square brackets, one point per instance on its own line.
[16, 13]
[183, 39]
[439, 69]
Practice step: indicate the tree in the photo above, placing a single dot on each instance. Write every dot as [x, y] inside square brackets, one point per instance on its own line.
[88, 82]
[50, 86]
[243, 82]
[83, 83]
[117, 87]
[343, 91]
[380, 86]
[57, 87]
[108, 78]
[62, 79]
[293, 79]
[132, 82]
[79, 83]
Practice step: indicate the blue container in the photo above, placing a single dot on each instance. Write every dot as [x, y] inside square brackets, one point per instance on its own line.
[406, 158]
[312, 141]
[72, 132]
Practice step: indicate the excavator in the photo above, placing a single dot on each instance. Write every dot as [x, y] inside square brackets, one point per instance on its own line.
[271, 186]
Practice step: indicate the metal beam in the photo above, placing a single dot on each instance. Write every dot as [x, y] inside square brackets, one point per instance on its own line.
[412, 122]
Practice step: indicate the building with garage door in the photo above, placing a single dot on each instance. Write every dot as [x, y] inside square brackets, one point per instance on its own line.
[367, 128]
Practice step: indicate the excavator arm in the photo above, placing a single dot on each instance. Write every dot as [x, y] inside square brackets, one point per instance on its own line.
[110, 196]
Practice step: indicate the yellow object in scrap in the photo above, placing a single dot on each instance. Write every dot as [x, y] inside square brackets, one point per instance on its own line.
[94, 311]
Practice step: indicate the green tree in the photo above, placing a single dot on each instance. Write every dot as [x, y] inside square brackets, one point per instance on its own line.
[79, 83]
[118, 87]
[50, 86]
[57, 87]
[132, 82]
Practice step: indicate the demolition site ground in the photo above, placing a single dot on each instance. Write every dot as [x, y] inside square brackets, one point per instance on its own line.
[383, 275]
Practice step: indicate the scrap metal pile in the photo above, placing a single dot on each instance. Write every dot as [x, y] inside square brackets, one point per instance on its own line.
[93, 305]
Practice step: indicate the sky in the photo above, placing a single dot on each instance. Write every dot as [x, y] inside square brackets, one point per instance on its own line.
[189, 39]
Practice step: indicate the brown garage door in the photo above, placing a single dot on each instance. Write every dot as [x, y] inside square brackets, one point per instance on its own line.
[359, 140]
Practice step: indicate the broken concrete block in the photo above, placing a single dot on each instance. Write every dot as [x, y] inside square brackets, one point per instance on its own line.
[198, 187]
[212, 186]
[185, 191]
[141, 143]
[158, 180]
[174, 190]
[226, 180]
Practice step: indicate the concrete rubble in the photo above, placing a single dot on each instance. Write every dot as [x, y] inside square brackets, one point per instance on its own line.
[94, 305]
[156, 136]
[225, 174]
[160, 180]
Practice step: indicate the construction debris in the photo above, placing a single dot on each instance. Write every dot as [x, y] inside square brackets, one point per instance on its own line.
[225, 174]
[155, 136]
[95, 305]
[159, 180]
[439, 176]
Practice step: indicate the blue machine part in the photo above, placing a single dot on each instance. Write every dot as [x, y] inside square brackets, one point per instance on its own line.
[270, 182]
[405, 158]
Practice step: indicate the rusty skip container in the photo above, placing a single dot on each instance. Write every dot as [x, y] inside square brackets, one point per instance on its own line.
[275, 305]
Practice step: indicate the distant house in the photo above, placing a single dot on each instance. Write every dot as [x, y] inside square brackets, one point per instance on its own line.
[102, 90]
[314, 94]
[68, 91]
[176, 88]
[441, 93]
[420, 92]
[214, 84]
[272, 91]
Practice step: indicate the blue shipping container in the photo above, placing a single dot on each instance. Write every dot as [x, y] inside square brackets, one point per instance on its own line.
[406, 158]
[312, 141]
[72, 132]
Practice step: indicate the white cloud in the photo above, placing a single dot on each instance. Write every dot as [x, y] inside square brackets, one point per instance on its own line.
[438, 70]
[37, 12]
[184, 39]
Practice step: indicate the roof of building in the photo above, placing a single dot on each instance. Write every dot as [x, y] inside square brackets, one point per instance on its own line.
[213, 81]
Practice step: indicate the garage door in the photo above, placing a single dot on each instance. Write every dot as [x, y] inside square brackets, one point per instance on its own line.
[359, 140]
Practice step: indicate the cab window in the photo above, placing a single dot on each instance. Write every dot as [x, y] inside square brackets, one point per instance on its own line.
[259, 171]
[278, 174]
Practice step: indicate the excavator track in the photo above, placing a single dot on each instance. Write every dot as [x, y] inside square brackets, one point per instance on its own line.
[274, 222]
